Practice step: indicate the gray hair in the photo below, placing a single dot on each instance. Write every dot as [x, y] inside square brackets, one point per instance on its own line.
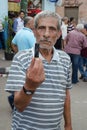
[64, 18]
[27, 19]
[80, 26]
[44, 14]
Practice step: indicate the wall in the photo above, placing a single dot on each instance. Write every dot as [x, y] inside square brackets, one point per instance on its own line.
[83, 11]
[3, 9]
[82, 15]
[47, 5]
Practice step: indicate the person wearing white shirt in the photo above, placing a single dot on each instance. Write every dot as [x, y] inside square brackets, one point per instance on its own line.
[64, 29]
[18, 22]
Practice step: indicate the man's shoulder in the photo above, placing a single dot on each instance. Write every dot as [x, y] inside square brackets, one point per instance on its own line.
[27, 30]
[63, 55]
[15, 20]
[18, 18]
[19, 33]
[24, 54]
[64, 58]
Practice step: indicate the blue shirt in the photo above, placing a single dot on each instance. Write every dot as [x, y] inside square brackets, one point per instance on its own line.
[18, 24]
[24, 39]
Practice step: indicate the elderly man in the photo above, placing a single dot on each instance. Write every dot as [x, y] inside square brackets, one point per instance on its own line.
[41, 84]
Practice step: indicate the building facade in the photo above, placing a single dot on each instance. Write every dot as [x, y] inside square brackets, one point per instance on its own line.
[74, 8]
[3, 9]
[77, 8]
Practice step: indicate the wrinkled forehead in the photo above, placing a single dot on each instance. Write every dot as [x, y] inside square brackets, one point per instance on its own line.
[48, 20]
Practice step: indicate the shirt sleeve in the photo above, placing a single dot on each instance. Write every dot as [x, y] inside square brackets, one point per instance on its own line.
[16, 77]
[15, 25]
[69, 75]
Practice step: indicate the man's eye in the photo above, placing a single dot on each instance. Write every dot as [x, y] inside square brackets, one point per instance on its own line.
[52, 29]
[41, 28]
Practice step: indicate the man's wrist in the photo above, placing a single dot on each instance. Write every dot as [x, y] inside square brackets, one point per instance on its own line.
[27, 91]
[68, 127]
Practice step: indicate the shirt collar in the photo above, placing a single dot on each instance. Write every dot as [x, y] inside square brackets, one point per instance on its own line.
[25, 28]
[55, 55]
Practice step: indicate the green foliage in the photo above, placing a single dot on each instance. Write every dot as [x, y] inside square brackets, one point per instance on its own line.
[6, 18]
[8, 44]
[9, 22]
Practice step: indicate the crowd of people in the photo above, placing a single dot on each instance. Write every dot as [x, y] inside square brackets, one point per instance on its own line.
[40, 86]
[73, 41]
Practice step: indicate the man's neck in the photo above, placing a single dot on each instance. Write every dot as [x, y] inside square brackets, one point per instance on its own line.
[47, 54]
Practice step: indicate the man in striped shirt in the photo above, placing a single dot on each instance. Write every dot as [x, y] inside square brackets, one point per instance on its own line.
[71, 25]
[41, 84]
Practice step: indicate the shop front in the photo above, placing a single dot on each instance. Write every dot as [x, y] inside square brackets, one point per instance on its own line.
[14, 5]
[31, 7]
[36, 6]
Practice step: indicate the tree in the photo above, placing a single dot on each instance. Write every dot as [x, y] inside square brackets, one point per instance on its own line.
[24, 6]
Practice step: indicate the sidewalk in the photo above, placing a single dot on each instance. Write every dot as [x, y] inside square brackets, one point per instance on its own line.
[78, 103]
[5, 110]
[3, 62]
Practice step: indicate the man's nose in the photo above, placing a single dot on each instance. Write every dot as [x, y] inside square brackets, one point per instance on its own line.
[47, 32]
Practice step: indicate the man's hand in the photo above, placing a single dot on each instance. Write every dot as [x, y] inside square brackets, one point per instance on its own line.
[35, 74]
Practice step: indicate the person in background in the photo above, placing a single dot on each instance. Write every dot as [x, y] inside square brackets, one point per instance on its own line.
[24, 38]
[18, 22]
[71, 24]
[75, 41]
[83, 60]
[58, 44]
[64, 29]
[61, 40]
[2, 41]
[41, 89]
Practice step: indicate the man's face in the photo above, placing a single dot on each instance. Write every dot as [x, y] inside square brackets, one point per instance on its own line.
[21, 15]
[84, 31]
[47, 33]
[31, 25]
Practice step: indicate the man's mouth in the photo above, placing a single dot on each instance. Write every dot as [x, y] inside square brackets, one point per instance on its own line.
[45, 41]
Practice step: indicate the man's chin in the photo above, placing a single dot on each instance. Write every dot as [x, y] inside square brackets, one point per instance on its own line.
[46, 47]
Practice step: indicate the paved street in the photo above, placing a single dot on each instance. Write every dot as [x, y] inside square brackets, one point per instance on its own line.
[78, 103]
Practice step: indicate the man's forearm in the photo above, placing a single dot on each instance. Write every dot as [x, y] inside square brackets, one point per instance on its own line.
[67, 112]
[21, 100]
